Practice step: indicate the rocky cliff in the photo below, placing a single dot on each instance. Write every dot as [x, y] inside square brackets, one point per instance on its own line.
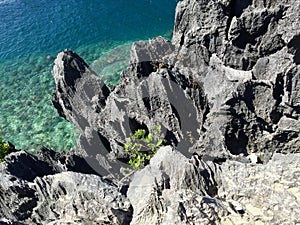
[226, 93]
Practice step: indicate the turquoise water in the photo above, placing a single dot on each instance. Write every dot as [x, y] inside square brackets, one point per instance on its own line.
[32, 32]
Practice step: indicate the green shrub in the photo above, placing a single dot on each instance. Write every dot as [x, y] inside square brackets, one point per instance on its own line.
[4, 149]
[142, 147]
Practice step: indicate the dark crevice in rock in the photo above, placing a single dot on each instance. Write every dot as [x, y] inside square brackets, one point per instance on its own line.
[147, 104]
[79, 164]
[294, 48]
[243, 39]
[170, 138]
[278, 90]
[166, 181]
[124, 216]
[263, 125]
[28, 167]
[236, 141]
[276, 115]
[105, 142]
[248, 97]
[182, 211]
[212, 189]
[175, 112]
[289, 81]
[181, 40]
[144, 69]
[286, 136]
[135, 125]
[235, 8]
[58, 106]
[206, 42]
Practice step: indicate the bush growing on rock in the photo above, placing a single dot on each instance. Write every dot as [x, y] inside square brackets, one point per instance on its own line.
[142, 146]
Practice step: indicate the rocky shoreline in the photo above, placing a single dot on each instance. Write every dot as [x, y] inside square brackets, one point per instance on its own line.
[226, 94]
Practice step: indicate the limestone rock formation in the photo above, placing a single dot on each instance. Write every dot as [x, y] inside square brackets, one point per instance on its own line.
[44, 189]
[34, 187]
[226, 85]
[172, 189]
[197, 191]
[226, 93]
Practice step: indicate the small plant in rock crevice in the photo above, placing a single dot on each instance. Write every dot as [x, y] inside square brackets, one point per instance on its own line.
[141, 146]
[4, 149]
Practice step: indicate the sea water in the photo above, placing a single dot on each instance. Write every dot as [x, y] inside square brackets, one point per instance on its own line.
[32, 32]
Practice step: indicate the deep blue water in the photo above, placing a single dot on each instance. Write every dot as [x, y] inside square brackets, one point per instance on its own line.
[32, 32]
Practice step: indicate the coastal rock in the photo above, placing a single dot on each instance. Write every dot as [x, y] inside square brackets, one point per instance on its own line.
[197, 191]
[193, 190]
[26, 166]
[143, 99]
[226, 94]
[36, 189]
[77, 90]
[80, 198]
[184, 192]
[263, 194]
[66, 197]
[249, 73]
[17, 198]
[226, 85]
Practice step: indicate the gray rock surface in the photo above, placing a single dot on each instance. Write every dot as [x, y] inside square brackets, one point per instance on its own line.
[184, 192]
[226, 85]
[196, 191]
[67, 196]
[27, 167]
[226, 93]
[251, 80]
[79, 198]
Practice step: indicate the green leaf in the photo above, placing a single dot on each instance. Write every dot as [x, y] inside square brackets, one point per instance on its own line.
[148, 139]
[159, 143]
[140, 133]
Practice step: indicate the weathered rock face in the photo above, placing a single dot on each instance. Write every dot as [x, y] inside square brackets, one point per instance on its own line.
[27, 167]
[226, 85]
[251, 80]
[226, 94]
[143, 99]
[197, 191]
[44, 189]
[266, 194]
[79, 92]
[175, 193]
[172, 189]
[84, 198]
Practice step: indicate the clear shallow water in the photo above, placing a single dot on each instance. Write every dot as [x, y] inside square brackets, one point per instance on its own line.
[32, 32]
